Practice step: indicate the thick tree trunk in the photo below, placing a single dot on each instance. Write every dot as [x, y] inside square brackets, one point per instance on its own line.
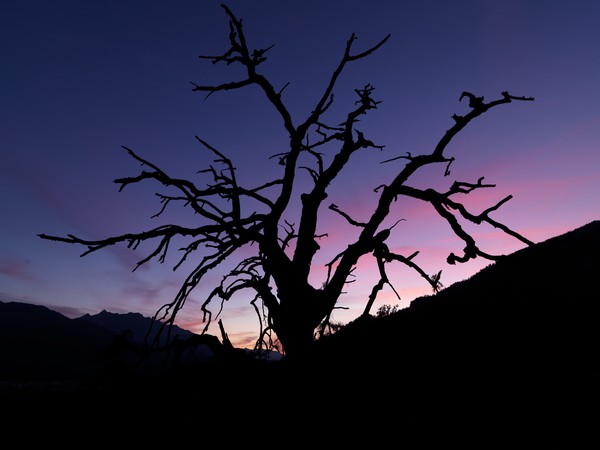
[297, 337]
[301, 311]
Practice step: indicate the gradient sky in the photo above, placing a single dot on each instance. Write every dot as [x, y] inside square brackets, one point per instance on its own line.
[81, 79]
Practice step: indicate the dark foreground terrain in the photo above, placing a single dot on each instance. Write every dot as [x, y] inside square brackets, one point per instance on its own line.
[513, 351]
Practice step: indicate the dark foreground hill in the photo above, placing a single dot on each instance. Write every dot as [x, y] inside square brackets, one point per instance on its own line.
[535, 312]
[515, 348]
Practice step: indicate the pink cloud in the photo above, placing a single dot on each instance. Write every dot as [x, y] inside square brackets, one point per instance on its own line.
[243, 339]
[19, 269]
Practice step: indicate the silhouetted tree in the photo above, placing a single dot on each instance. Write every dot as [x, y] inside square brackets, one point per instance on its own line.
[386, 310]
[290, 310]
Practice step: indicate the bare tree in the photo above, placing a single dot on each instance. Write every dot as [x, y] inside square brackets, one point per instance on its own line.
[291, 311]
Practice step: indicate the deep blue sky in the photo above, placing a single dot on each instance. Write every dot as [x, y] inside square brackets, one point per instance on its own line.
[81, 79]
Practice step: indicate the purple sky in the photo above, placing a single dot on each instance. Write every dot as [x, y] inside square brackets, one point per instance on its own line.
[81, 79]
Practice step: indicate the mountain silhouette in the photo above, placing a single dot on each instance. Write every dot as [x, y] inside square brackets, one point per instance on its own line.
[40, 345]
[140, 329]
[37, 343]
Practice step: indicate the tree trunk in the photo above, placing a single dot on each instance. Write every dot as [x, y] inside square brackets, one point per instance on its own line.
[301, 311]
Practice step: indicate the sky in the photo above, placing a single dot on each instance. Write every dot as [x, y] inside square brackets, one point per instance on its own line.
[82, 79]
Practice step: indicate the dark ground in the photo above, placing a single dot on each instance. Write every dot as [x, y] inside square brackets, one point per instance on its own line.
[345, 402]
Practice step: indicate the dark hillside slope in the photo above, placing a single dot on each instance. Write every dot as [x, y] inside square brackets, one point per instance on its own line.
[535, 313]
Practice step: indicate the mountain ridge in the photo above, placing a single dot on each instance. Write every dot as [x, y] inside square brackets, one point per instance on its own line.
[39, 343]
[140, 328]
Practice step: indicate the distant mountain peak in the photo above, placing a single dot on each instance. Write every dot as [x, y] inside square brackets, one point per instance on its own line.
[136, 324]
[105, 313]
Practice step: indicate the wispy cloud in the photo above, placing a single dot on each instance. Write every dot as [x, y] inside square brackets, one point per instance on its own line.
[243, 339]
[19, 269]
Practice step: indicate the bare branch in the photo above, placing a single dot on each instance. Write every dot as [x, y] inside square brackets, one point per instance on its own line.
[133, 239]
[366, 52]
[465, 188]
[327, 97]
[434, 280]
[221, 87]
[478, 107]
[350, 220]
